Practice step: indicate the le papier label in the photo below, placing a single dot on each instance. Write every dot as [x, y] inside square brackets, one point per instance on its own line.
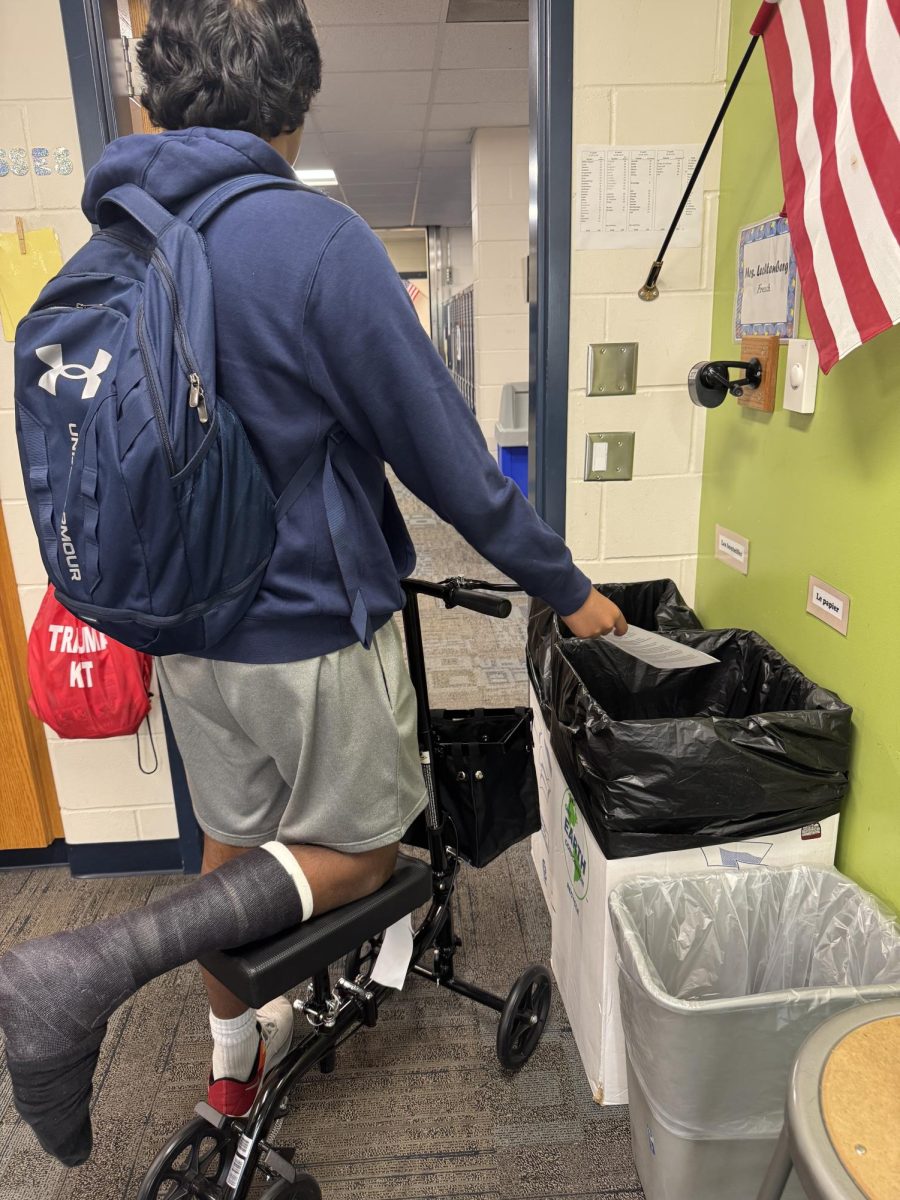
[828, 604]
[732, 549]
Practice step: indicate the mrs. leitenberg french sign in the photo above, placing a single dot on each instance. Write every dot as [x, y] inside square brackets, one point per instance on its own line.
[766, 298]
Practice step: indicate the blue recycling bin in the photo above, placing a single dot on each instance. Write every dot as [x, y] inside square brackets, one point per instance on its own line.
[511, 434]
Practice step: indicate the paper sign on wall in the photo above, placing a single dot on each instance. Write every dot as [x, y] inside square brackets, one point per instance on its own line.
[627, 196]
[732, 549]
[828, 604]
[766, 299]
[23, 275]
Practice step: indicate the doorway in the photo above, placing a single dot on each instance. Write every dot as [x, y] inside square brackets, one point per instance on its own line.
[403, 100]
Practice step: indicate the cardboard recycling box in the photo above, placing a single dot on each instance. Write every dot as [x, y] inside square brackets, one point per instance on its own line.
[577, 878]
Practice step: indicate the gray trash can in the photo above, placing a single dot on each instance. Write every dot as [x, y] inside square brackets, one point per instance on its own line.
[722, 977]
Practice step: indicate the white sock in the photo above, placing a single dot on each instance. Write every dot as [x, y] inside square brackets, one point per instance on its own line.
[288, 861]
[235, 1045]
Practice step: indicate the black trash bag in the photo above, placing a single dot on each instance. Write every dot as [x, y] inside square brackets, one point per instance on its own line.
[669, 760]
[655, 604]
[486, 777]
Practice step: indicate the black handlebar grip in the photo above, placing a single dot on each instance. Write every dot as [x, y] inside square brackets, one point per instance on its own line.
[491, 606]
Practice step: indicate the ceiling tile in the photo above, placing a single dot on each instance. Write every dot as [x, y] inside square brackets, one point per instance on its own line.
[458, 116]
[349, 88]
[467, 86]
[351, 175]
[386, 141]
[339, 118]
[487, 10]
[378, 48]
[479, 45]
[382, 164]
[393, 219]
[374, 12]
[442, 139]
[384, 189]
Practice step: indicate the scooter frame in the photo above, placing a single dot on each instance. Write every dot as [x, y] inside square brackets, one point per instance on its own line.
[242, 1146]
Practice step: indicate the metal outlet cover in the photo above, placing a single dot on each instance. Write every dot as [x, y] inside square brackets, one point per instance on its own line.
[617, 454]
[612, 368]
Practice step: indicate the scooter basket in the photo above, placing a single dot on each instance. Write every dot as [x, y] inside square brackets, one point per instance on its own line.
[485, 774]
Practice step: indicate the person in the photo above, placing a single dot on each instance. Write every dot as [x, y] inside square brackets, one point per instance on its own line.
[298, 730]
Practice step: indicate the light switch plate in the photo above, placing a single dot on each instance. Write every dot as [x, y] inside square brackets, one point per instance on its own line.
[801, 376]
[612, 369]
[609, 456]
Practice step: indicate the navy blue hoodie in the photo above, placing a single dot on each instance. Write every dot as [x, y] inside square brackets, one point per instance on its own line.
[313, 327]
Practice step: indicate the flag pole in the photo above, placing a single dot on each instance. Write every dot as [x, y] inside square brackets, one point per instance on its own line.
[650, 291]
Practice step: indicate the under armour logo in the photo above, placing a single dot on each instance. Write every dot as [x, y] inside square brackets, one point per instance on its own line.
[53, 357]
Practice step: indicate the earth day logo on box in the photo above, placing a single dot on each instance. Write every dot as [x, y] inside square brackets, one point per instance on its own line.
[576, 859]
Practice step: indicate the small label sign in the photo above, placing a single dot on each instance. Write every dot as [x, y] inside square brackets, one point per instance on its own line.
[733, 550]
[828, 604]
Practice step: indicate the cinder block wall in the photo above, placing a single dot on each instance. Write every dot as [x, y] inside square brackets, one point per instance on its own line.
[499, 251]
[643, 75]
[103, 795]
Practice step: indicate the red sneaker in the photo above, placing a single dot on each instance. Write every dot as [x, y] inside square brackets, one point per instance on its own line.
[235, 1097]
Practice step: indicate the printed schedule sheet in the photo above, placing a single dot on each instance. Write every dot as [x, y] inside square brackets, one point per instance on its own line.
[627, 196]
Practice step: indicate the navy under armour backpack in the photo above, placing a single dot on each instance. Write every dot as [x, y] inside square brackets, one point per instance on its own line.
[154, 518]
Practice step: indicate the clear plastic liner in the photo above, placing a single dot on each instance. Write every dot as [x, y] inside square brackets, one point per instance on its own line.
[722, 977]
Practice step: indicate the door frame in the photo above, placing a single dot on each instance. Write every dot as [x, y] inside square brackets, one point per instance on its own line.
[551, 28]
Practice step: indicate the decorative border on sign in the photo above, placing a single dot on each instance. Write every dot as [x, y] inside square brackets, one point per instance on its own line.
[773, 227]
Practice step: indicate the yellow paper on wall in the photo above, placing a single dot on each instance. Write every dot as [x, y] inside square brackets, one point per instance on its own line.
[23, 275]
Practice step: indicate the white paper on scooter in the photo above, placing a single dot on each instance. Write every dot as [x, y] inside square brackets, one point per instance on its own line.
[657, 651]
[395, 954]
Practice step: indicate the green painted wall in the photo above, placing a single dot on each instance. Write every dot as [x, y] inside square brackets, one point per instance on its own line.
[816, 495]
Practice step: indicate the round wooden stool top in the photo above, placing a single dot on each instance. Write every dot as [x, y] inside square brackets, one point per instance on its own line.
[860, 1099]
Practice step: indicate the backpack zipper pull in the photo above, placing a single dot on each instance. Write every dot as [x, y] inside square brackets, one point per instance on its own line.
[197, 400]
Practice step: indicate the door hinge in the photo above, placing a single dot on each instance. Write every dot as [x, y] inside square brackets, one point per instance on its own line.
[134, 80]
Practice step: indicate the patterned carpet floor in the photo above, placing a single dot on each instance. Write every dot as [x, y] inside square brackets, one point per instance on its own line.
[418, 1106]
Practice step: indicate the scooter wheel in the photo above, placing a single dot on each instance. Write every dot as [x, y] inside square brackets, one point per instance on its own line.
[194, 1163]
[304, 1187]
[524, 1017]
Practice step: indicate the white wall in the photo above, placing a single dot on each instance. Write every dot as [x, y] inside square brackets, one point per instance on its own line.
[499, 251]
[644, 75]
[103, 795]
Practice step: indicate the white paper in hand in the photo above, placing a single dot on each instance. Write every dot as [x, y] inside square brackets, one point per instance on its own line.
[395, 955]
[657, 651]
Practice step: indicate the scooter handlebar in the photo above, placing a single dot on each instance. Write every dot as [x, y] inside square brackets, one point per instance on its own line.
[491, 606]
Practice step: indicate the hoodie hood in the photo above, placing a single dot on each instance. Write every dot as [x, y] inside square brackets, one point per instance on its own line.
[172, 167]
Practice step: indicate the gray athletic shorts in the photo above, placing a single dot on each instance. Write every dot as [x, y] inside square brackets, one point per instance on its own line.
[322, 752]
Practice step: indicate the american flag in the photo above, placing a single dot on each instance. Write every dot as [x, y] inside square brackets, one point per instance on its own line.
[414, 292]
[834, 67]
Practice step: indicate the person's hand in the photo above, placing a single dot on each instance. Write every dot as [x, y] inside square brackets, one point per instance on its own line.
[596, 616]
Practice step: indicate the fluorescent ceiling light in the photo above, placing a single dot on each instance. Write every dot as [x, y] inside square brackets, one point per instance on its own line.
[323, 178]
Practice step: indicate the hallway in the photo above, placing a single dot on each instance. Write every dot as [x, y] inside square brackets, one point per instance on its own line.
[418, 1106]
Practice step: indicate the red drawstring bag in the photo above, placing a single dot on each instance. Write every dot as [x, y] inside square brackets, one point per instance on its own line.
[83, 684]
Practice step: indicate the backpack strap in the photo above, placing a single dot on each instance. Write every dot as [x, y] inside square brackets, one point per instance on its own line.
[150, 214]
[322, 458]
[137, 204]
[338, 527]
[204, 206]
[304, 475]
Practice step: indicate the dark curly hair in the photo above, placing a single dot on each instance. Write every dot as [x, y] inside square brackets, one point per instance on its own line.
[230, 64]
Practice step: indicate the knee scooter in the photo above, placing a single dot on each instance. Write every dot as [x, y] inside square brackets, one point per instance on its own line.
[219, 1158]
